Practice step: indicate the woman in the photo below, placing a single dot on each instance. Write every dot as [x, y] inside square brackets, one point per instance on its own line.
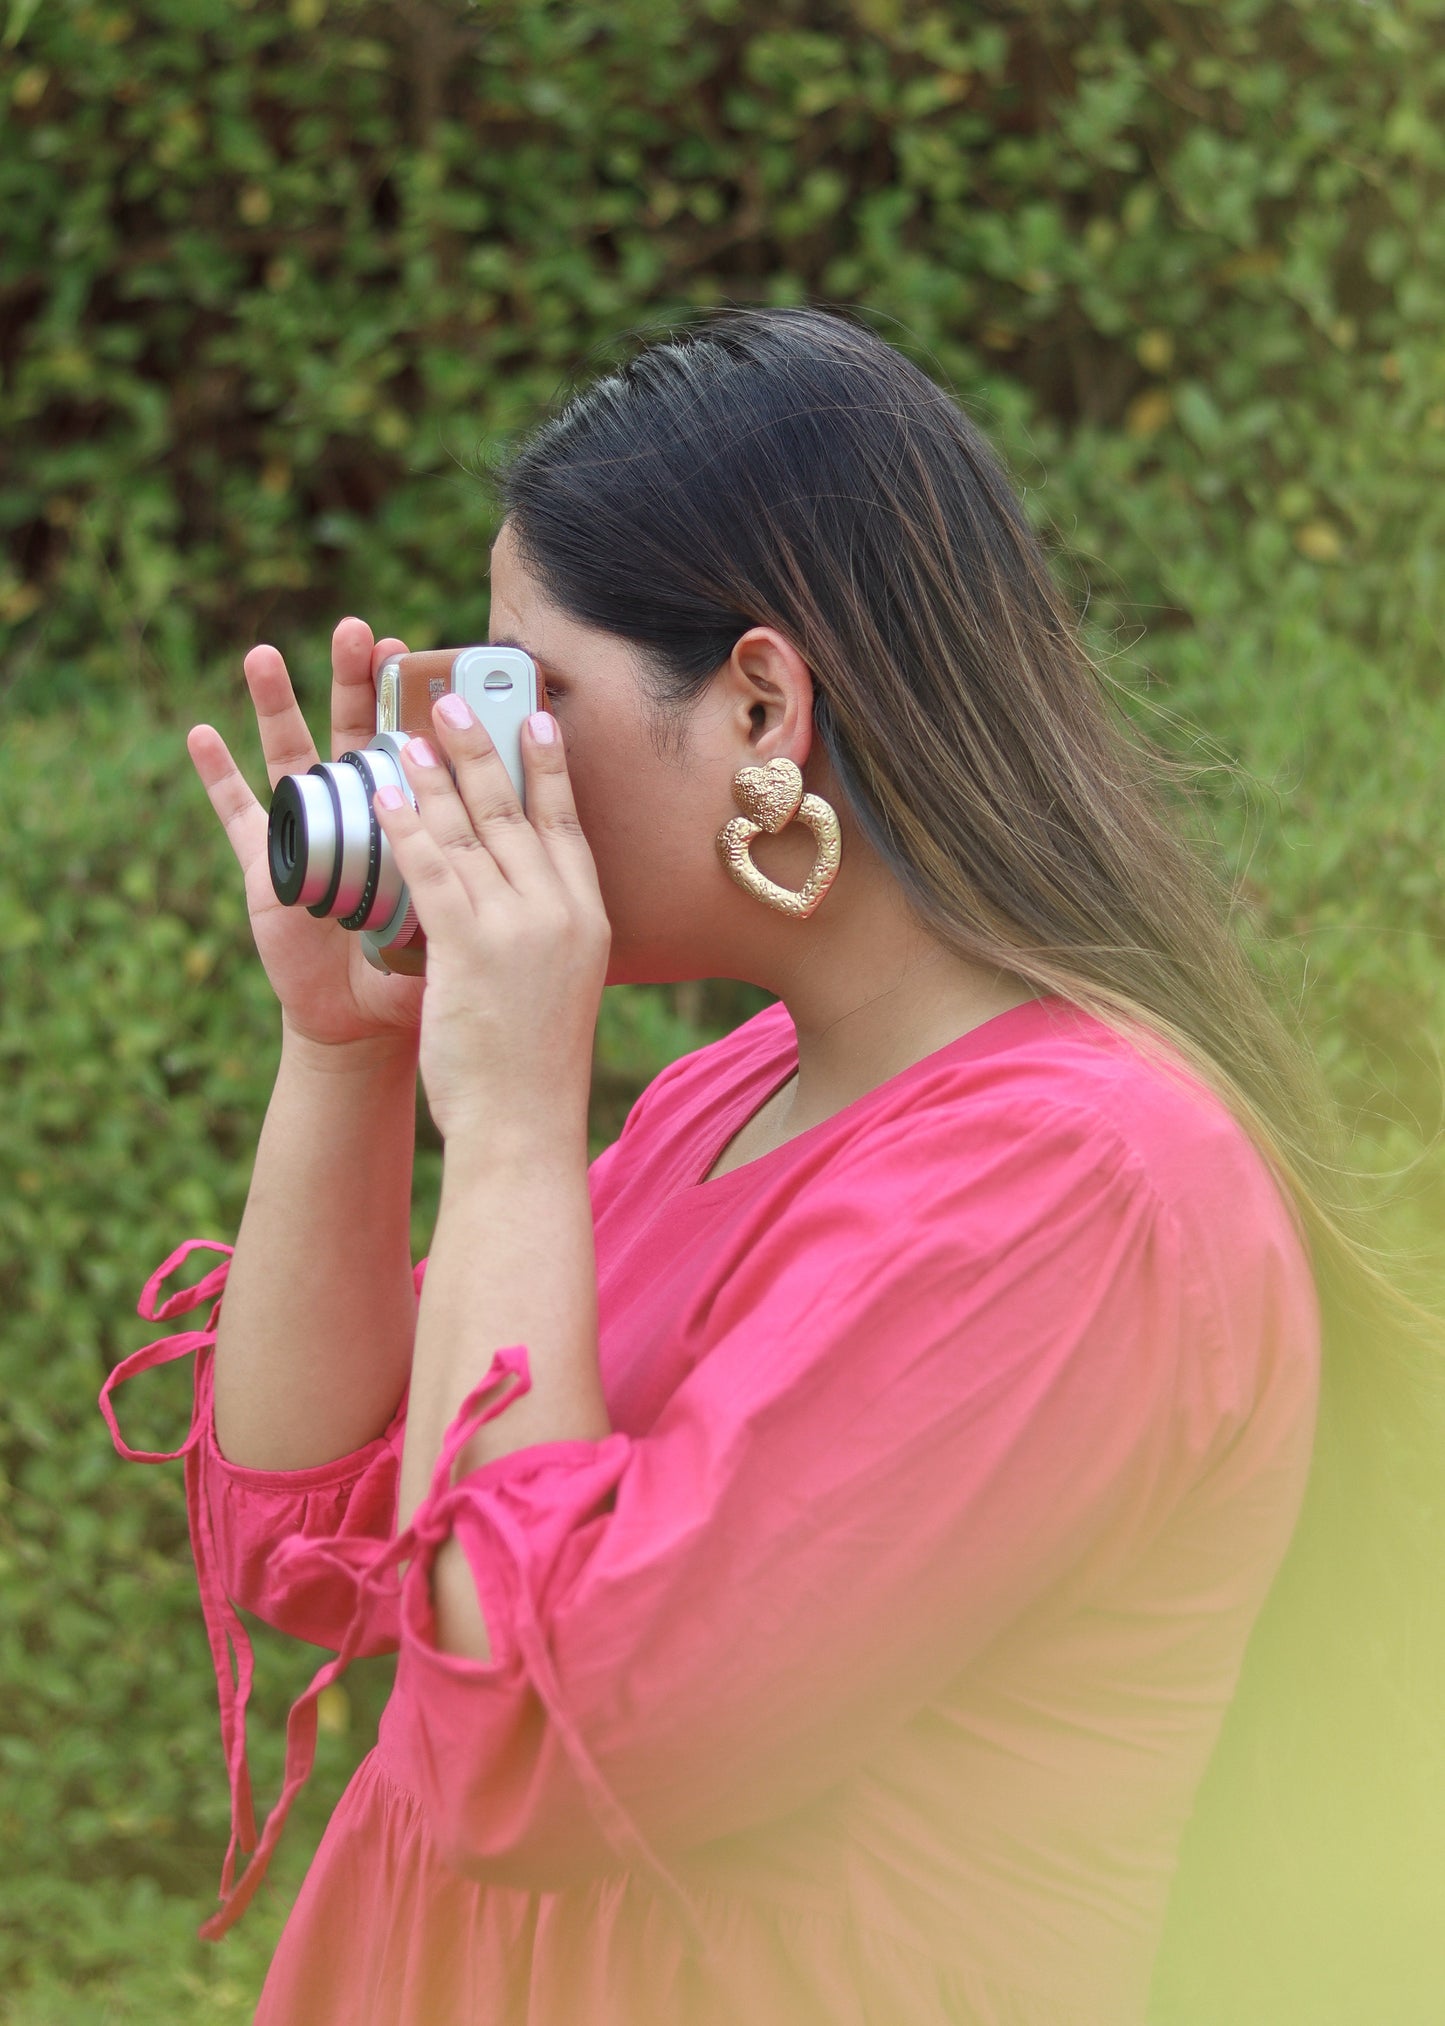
[830, 1527]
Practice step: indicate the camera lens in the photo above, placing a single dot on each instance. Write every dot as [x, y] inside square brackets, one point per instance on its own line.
[325, 847]
[303, 840]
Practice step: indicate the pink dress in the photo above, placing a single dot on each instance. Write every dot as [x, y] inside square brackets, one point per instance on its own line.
[867, 1671]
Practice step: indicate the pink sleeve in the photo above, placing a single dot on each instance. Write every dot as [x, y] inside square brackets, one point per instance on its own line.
[937, 1389]
[297, 1548]
[252, 1512]
[239, 1517]
[277, 1533]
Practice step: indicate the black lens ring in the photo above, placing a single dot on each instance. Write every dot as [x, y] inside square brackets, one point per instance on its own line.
[357, 919]
[288, 876]
[323, 906]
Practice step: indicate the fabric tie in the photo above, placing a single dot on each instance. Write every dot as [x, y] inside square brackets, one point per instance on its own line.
[226, 1636]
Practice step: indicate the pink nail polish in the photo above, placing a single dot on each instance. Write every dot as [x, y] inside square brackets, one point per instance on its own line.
[544, 727]
[421, 753]
[389, 797]
[455, 710]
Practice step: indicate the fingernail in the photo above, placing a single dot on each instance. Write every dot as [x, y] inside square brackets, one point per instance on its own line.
[455, 710]
[421, 752]
[390, 798]
[544, 727]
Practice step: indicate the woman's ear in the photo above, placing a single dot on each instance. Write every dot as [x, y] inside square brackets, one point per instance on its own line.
[769, 690]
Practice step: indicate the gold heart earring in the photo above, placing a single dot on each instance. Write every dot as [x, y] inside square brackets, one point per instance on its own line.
[770, 797]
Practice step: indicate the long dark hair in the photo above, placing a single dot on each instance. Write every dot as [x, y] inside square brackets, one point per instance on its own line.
[790, 468]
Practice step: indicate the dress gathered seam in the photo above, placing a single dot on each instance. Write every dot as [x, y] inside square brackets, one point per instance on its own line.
[701, 1891]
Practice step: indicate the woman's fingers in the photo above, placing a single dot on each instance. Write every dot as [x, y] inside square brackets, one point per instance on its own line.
[546, 842]
[241, 815]
[286, 743]
[448, 820]
[483, 806]
[355, 658]
[552, 808]
[383, 651]
[443, 903]
[353, 694]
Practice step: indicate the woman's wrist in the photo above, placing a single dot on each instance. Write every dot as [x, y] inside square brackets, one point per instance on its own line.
[369, 1056]
[314, 1340]
[540, 1145]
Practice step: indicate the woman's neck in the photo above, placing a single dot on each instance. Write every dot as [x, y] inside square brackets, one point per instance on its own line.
[874, 995]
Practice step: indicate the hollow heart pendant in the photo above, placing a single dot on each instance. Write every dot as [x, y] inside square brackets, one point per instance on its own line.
[771, 797]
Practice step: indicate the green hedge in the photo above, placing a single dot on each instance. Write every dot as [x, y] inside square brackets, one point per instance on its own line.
[273, 275]
[274, 282]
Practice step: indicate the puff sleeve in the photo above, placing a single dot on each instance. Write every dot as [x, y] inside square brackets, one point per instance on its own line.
[292, 1547]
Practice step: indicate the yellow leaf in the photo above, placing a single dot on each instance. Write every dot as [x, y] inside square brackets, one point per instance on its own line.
[19, 603]
[1258, 261]
[1148, 412]
[391, 429]
[333, 1711]
[1155, 350]
[1320, 541]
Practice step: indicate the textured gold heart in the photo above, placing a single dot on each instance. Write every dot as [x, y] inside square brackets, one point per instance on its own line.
[770, 794]
[735, 837]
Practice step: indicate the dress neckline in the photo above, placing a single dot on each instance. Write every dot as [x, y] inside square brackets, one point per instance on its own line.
[988, 1035]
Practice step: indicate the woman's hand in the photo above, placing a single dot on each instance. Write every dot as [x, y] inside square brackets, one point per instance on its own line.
[517, 938]
[328, 991]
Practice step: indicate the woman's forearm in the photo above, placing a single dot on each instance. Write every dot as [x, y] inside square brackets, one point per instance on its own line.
[315, 1334]
[534, 1282]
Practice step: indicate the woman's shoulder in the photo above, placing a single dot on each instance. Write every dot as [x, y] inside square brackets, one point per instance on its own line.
[1068, 1165]
[1056, 1085]
[1077, 1075]
[1045, 1152]
[1045, 1073]
[1045, 1089]
[1065, 1122]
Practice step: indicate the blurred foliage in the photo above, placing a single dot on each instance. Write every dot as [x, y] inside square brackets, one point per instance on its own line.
[273, 277]
[276, 281]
